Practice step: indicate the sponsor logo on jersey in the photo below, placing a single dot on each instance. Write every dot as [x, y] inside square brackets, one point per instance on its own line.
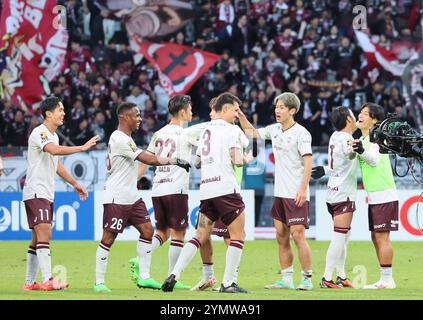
[296, 220]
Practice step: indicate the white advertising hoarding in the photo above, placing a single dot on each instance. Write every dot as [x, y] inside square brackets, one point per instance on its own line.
[131, 233]
[409, 230]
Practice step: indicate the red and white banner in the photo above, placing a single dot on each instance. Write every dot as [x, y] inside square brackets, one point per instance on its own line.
[377, 56]
[178, 66]
[404, 60]
[33, 46]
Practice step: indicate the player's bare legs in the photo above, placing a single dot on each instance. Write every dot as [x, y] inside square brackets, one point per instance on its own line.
[203, 232]
[160, 237]
[337, 251]
[32, 265]
[304, 252]
[385, 254]
[383, 246]
[304, 255]
[286, 257]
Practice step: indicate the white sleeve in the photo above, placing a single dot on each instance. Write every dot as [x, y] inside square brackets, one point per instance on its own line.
[194, 133]
[233, 138]
[129, 149]
[304, 143]
[243, 139]
[152, 145]
[371, 155]
[347, 150]
[264, 133]
[42, 138]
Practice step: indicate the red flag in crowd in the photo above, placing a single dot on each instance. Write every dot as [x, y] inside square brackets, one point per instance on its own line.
[178, 66]
[32, 49]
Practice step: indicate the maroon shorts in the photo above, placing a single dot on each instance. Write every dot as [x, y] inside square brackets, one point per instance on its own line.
[383, 216]
[220, 229]
[38, 210]
[336, 209]
[171, 211]
[227, 208]
[286, 211]
[117, 217]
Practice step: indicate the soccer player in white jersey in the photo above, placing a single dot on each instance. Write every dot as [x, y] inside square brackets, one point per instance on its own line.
[38, 192]
[122, 205]
[291, 145]
[219, 192]
[341, 193]
[219, 229]
[170, 184]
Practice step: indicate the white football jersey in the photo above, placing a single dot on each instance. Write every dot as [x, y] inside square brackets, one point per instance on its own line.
[289, 147]
[41, 166]
[217, 171]
[194, 132]
[121, 184]
[342, 172]
[171, 141]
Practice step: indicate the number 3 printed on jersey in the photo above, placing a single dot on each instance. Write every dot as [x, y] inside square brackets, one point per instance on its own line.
[206, 141]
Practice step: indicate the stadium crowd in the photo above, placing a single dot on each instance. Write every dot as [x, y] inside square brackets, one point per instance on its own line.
[267, 47]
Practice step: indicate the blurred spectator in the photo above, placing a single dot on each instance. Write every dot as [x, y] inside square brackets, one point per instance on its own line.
[139, 97]
[15, 133]
[82, 56]
[81, 132]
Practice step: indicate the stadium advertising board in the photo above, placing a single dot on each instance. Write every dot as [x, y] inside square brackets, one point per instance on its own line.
[131, 233]
[409, 223]
[73, 219]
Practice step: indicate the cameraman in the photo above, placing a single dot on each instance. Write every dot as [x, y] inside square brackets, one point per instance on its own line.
[379, 183]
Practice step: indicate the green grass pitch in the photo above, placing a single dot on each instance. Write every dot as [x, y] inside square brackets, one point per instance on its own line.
[259, 266]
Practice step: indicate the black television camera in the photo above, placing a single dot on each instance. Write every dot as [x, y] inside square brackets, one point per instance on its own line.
[396, 136]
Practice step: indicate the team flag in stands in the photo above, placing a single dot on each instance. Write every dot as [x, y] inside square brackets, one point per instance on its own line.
[178, 66]
[33, 46]
[377, 55]
[404, 60]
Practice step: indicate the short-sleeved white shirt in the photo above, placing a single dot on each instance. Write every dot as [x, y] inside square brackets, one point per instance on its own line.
[289, 147]
[194, 133]
[171, 141]
[121, 184]
[217, 171]
[41, 166]
[342, 183]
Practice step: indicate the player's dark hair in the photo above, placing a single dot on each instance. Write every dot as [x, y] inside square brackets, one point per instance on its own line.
[49, 104]
[225, 98]
[375, 111]
[125, 106]
[339, 117]
[178, 103]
